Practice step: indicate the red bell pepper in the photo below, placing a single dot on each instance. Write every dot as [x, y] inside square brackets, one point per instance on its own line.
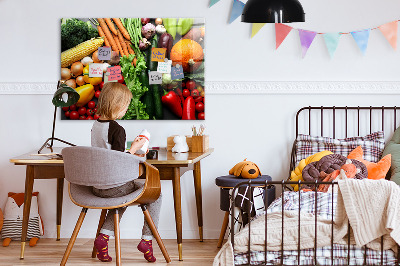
[173, 102]
[189, 111]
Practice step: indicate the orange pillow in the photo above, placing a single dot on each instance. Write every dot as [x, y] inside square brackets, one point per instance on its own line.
[375, 170]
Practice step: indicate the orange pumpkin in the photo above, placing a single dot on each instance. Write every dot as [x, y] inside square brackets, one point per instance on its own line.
[187, 53]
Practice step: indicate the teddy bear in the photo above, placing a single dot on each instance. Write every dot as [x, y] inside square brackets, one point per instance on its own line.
[245, 169]
[180, 144]
[13, 215]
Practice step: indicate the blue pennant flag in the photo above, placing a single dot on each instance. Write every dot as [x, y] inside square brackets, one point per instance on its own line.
[213, 2]
[332, 41]
[361, 38]
[237, 8]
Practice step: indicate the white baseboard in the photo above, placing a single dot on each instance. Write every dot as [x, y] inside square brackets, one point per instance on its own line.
[247, 87]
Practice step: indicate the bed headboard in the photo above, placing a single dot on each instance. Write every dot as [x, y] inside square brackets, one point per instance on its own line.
[344, 121]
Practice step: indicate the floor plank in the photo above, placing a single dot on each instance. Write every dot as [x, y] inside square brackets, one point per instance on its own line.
[50, 252]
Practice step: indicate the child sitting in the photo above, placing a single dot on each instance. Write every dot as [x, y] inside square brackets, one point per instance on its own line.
[107, 133]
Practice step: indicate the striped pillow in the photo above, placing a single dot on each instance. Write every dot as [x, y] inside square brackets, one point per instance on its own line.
[372, 145]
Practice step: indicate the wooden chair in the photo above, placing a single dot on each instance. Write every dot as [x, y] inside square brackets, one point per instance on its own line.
[85, 167]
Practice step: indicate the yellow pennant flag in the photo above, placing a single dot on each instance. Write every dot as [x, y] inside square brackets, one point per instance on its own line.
[255, 28]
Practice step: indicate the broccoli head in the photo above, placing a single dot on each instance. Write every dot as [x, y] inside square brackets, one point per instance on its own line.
[74, 32]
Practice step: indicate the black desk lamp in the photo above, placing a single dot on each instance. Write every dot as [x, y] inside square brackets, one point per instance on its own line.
[63, 97]
[273, 11]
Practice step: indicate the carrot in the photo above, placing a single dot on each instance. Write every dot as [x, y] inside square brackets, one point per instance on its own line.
[108, 34]
[111, 25]
[130, 50]
[123, 44]
[101, 33]
[119, 45]
[122, 28]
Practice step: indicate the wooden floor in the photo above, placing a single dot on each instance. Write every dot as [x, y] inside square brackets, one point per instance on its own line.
[50, 252]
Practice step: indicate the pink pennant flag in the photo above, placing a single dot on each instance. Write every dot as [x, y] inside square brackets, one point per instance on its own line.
[281, 31]
[306, 39]
[389, 30]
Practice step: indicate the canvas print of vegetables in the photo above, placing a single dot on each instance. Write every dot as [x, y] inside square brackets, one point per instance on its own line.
[179, 94]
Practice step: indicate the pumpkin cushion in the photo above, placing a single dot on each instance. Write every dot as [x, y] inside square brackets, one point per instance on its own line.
[375, 170]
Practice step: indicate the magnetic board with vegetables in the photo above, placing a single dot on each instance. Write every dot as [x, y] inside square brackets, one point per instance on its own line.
[177, 94]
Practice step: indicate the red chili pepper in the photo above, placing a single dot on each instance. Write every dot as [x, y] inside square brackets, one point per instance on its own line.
[173, 102]
[189, 111]
[198, 99]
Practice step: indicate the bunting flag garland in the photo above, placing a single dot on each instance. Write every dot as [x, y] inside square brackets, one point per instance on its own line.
[213, 2]
[332, 41]
[255, 28]
[306, 39]
[389, 30]
[281, 31]
[361, 37]
[237, 8]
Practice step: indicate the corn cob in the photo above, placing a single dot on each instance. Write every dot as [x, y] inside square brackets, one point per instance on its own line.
[80, 51]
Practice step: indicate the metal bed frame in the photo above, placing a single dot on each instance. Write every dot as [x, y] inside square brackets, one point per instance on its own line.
[284, 184]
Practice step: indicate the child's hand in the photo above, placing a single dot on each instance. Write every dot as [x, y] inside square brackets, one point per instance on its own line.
[137, 144]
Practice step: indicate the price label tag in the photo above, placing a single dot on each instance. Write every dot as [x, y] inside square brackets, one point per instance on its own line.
[114, 73]
[177, 72]
[104, 53]
[164, 67]
[155, 77]
[95, 70]
[158, 54]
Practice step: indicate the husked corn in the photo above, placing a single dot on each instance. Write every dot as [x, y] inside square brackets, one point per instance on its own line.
[80, 51]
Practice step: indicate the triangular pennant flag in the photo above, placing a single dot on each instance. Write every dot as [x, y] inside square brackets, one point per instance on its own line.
[390, 32]
[237, 8]
[281, 31]
[361, 37]
[332, 41]
[213, 2]
[306, 39]
[255, 28]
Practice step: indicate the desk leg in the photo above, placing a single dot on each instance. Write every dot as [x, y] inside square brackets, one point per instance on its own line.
[176, 182]
[60, 190]
[27, 206]
[199, 204]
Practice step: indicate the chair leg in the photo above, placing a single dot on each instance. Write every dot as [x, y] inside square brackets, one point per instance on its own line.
[117, 239]
[223, 229]
[101, 222]
[154, 230]
[73, 237]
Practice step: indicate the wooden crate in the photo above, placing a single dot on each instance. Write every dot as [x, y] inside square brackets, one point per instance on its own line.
[171, 143]
[200, 143]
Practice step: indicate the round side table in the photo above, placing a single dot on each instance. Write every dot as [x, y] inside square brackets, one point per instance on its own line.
[228, 182]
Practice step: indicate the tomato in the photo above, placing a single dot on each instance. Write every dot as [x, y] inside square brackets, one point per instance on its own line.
[89, 118]
[91, 104]
[190, 84]
[67, 113]
[199, 107]
[178, 91]
[96, 117]
[74, 115]
[82, 117]
[65, 108]
[183, 84]
[186, 93]
[121, 80]
[90, 112]
[195, 93]
[95, 109]
[72, 107]
[198, 99]
[101, 85]
[200, 116]
[97, 94]
[199, 88]
[82, 110]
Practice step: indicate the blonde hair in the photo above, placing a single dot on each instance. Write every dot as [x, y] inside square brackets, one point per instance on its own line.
[113, 97]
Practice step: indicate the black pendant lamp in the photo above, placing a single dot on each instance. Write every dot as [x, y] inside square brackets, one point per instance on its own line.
[272, 11]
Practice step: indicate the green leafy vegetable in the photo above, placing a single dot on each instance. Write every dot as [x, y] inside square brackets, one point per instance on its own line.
[198, 75]
[75, 31]
[136, 109]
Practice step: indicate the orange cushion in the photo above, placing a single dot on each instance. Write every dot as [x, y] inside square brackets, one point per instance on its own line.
[375, 170]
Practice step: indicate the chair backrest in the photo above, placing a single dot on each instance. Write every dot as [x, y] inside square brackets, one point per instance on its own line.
[92, 166]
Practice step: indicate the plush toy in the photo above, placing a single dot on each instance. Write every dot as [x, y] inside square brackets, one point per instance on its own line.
[13, 215]
[180, 144]
[245, 169]
[375, 170]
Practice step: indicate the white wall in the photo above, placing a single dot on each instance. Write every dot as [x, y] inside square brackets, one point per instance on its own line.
[259, 127]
